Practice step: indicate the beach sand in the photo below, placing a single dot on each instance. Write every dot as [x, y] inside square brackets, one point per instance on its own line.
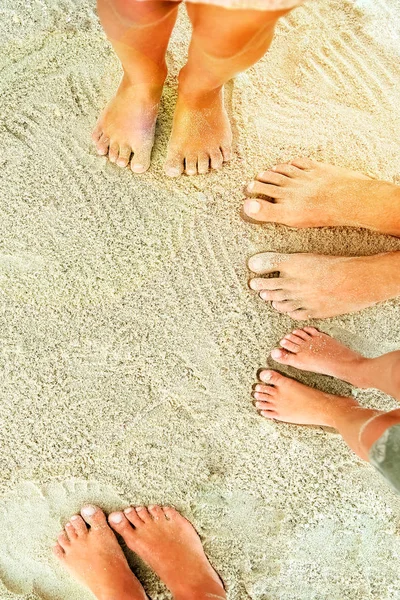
[129, 337]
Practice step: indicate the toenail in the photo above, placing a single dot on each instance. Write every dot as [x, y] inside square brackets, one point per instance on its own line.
[140, 508]
[254, 207]
[250, 186]
[266, 375]
[191, 172]
[68, 525]
[137, 167]
[264, 295]
[74, 517]
[151, 506]
[88, 511]
[128, 510]
[117, 518]
[258, 388]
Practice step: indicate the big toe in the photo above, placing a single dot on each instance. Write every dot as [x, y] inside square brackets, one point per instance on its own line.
[282, 356]
[141, 159]
[121, 525]
[266, 262]
[174, 165]
[263, 211]
[94, 516]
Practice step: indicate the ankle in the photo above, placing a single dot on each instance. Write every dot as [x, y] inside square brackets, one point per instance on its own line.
[198, 87]
[147, 81]
[359, 372]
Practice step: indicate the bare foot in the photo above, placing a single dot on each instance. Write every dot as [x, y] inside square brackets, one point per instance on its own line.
[284, 399]
[306, 193]
[125, 129]
[94, 557]
[318, 286]
[168, 543]
[311, 350]
[201, 135]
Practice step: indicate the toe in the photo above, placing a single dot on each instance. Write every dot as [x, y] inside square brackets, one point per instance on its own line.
[270, 177]
[261, 405]
[312, 331]
[191, 165]
[289, 345]
[79, 525]
[171, 513]
[305, 164]
[269, 414]
[203, 163]
[302, 334]
[267, 262]
[261, 397]
[125, 152]
[94, 516]
[281, 356]
[70, 531]
[288, 171]
[226, 153]
[141, 159]
[63, 540]
[121, 525]
[174, 166]
[263, 211]
[264, 389]
[286, 306]
[271, 377]
[271, 283]
[144, 514]
[96, 133]
[216, 159]
[113, 152]
[294, 338]
[58, 551]
[103, 145]
[156, 512]
[133, 516]
[274, 295]
[269, 190]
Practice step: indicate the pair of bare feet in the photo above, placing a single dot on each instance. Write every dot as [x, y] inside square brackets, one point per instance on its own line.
[160, 536]
[284, 399]
[305, 193]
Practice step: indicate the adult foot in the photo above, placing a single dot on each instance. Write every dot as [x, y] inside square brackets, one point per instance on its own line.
[168, 543]
[201, 135]
[284, 399]
[305, 193]
[94, 557]
[125, 129]
[318, 286]
[312, 350]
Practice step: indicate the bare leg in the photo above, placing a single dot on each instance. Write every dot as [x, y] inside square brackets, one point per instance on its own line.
[306, 193]
[139, 33]
[94, 557]
[284, 399]
[312, 350]
[224, 42]
[168, 543]
[318, 286]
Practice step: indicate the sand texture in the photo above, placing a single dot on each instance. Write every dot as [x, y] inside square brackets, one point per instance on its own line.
[129, 338]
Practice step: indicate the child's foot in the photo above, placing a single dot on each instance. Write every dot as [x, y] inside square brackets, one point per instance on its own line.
[311, 350]
[319, 286]
[125, 129]
[201, 135]
[168, 543]
[94, 557]
[287, 400]
[306, 193]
